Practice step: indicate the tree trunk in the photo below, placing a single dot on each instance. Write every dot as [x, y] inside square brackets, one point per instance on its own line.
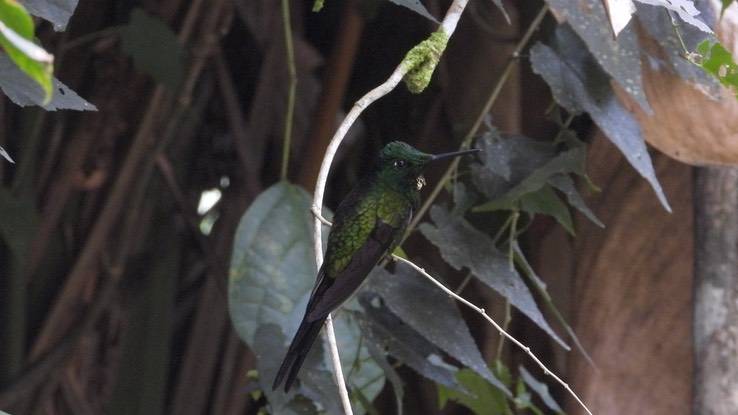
[716, 291]
[630, 292]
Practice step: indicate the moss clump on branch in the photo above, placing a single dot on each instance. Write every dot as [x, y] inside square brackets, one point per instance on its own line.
[421, 61]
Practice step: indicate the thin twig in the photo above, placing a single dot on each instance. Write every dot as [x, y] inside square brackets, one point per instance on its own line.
[287, 25]
[484, 314]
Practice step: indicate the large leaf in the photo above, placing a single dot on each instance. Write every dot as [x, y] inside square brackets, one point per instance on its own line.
[389, 333]
[154, 48]
[24, 91]
[579, 85]
[273, 268]
[462, 245]
[271, 277]
[432, 314]
[57, 12]
[619, 57]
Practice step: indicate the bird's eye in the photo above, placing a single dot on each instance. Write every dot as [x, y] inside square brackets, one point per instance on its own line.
[400, 163]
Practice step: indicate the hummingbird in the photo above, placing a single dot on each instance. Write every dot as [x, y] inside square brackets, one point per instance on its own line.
[369, 223]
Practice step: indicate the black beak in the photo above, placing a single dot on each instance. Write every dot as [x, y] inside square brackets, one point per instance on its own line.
[455, 154]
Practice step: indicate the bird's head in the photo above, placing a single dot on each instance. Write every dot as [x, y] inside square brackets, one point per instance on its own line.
[402, 165]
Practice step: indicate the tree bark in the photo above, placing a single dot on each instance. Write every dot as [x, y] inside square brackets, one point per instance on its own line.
[716, 291]
[626, 289]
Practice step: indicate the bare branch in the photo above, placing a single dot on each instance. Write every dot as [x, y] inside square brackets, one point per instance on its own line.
[484, 314]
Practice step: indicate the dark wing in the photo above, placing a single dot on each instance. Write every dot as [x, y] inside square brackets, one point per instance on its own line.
[332, 292]
[329, 293]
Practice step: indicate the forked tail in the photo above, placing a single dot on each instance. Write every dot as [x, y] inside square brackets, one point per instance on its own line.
[297, 353]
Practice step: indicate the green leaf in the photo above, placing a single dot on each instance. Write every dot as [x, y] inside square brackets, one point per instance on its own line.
[718, 62]
[155, 49]
[16, 38]
[462, 245]
[481, 399]
[566, 185]
[547, 202]
[16, 18]
[704, 47]
[578, 84]
[271, 277]
[272, 268]
[431, 313]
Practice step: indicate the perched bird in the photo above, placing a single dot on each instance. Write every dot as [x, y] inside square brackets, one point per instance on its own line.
[369, 222]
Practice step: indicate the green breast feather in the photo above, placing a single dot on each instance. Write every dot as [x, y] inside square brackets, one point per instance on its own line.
[351, 231]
